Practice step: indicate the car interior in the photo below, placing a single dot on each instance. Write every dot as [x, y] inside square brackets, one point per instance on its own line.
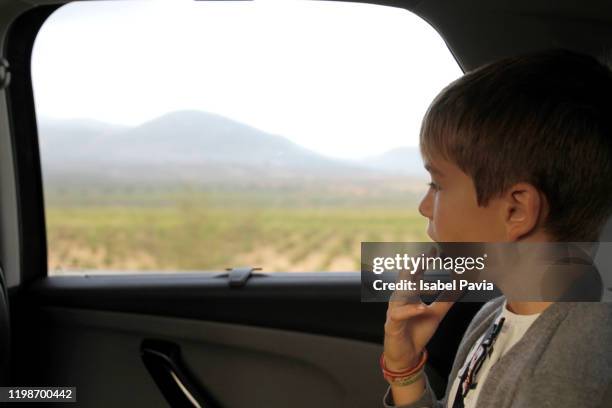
[229, 338]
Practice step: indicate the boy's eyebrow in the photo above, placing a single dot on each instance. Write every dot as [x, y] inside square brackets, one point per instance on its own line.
[430, 168]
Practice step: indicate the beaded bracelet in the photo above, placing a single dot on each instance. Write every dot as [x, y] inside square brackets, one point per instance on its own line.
[411, 379]
[403, 377]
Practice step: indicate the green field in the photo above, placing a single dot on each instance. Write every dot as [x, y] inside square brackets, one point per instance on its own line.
[187, 230]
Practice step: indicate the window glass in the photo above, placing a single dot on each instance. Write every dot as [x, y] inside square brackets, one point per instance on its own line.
[193, 136]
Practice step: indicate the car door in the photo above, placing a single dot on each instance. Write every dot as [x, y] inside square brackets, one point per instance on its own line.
[232, 338]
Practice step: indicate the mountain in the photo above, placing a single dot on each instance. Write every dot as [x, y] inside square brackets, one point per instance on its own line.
[191, 137]
[401, 161]
[68, 139]
[184, 146]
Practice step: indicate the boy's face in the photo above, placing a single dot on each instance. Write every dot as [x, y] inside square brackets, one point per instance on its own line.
[451, 207]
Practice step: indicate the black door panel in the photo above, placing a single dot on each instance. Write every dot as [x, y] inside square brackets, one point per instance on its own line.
[286, 333]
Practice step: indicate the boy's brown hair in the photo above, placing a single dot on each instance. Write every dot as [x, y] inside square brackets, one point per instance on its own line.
[543, 118]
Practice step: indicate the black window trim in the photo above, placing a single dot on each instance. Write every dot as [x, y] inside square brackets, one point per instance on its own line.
[24, 139]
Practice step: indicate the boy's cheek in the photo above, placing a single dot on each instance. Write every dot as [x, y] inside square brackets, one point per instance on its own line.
[441, 230]
[454, 228]
[454, 222]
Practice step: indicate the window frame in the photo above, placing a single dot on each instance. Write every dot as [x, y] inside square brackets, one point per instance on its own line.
[31, 227]
[33, 251]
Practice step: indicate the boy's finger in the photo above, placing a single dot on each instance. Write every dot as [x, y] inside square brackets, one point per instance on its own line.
[444, 302]
[410, 296]
[404, 296]
[406, 311]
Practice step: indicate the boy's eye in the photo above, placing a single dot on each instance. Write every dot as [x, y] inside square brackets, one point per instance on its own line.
[433, 186]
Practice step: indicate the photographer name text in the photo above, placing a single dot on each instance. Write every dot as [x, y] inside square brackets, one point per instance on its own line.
[438, 285]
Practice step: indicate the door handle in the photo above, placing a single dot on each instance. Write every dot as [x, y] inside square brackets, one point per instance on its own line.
[163, 361]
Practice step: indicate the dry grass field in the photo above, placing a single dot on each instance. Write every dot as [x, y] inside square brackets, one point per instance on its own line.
[136, 231]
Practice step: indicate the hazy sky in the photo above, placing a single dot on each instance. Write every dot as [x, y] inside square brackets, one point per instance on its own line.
[344, 79]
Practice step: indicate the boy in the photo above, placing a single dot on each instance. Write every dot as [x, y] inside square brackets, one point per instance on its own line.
[519, 150]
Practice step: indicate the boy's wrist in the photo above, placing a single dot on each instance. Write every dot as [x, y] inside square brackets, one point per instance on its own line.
[405, 376]
[403, 365]
[402, 395]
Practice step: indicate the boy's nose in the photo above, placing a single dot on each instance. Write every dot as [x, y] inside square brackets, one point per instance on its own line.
[425, 206]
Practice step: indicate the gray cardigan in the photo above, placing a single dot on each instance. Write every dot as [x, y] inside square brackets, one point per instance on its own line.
[563, 360]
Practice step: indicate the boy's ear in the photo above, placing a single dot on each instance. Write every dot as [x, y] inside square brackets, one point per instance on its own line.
[524, 209]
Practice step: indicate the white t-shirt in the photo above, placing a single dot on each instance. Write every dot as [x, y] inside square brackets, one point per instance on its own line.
[513, 328]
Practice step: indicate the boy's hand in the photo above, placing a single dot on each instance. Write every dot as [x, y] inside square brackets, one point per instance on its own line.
[410, 325]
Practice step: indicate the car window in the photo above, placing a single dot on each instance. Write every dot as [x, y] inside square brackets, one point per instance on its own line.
[194, 136]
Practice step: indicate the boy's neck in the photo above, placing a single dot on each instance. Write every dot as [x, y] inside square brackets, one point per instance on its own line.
[527, 308]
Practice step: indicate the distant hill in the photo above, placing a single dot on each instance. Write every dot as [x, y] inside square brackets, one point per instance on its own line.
[190, 137]
[71, 139]
[184, 146]
[193, 146]
[401, 160]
